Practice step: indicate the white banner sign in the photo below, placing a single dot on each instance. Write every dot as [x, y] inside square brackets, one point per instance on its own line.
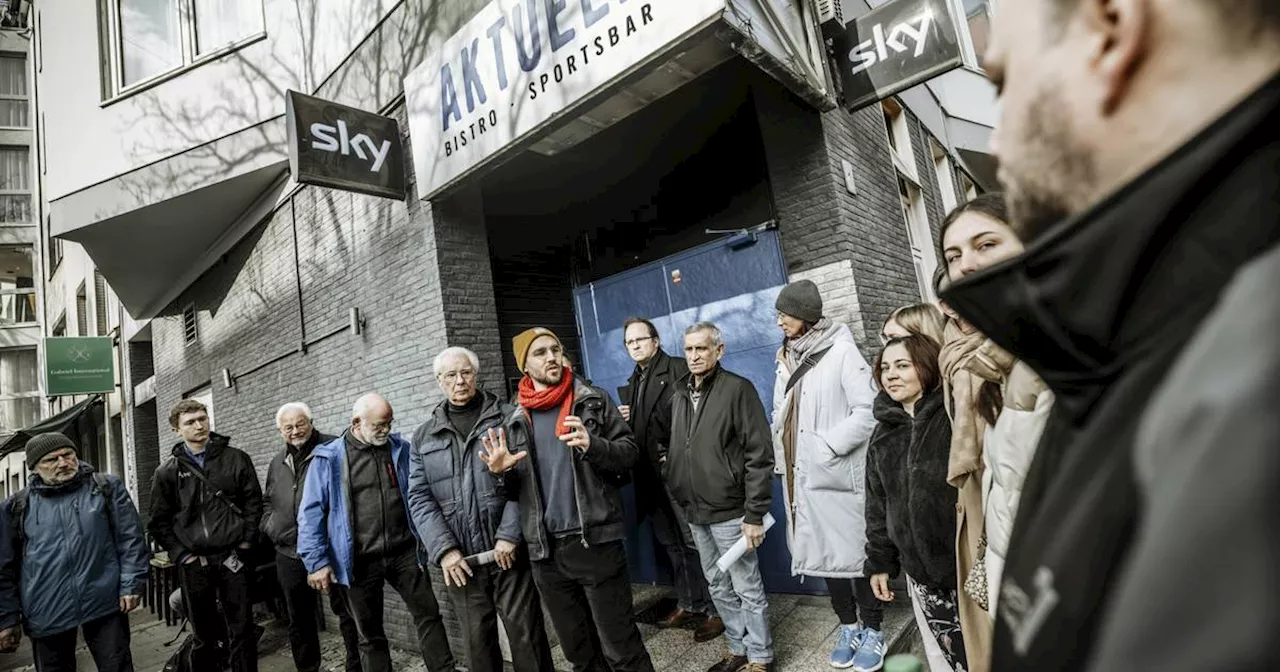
[519, 64]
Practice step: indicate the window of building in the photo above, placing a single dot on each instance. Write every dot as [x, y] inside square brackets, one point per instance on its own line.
[15, 185]
[19, 389]
[17, 285]
[976, 27]
[895, 124]
[968, 187]
[82, 312]
[100, 303]
[143, 39]
[15, 102]
[919, 236]
[59, 326]
[942, 168]
[189, 331]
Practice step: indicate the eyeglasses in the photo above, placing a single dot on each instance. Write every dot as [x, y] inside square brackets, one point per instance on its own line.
[452, 376]
[380, 426]
[636, 341]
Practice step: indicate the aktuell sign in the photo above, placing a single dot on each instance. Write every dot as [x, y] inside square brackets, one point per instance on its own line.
[337, 146]
[79, 365]
[520, 64]
[894, 47]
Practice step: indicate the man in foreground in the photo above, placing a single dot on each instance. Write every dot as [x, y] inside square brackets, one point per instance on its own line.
[364, 476]
[720, 469]
[565, 453]
[1138, 147]
[76, 561]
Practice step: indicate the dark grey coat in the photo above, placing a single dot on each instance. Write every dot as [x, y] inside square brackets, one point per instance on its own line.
[452, 497]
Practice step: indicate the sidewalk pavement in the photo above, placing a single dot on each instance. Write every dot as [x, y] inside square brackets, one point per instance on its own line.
[804, 630]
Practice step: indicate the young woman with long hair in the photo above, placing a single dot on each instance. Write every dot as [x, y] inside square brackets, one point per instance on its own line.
[921, 318]
[998, 409]
[910, 507]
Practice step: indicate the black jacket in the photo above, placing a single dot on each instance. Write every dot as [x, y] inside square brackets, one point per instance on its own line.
[598, 472]
[187, 517]
[911, 509]
[720, 464]
[652, 424]
[284, 492]
[1102, 306]
[452, 498]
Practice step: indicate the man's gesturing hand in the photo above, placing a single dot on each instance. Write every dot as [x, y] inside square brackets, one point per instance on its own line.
[754, 535]
[496, 455]
[455, 568]
[577, 436]
[321, 579]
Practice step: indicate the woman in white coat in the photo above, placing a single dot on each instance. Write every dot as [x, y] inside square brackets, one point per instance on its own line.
[822, 419]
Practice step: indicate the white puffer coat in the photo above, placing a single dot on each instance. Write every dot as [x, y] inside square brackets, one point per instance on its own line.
[1008, 450]
[827, 532]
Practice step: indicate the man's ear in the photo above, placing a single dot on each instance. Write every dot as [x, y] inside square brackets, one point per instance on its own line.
[1121, 32]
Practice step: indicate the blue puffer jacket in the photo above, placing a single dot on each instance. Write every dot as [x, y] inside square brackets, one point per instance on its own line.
[76, 564]
[324, 516]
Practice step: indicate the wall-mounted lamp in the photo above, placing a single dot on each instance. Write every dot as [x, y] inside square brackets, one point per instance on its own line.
[227, 380]
[355, 322]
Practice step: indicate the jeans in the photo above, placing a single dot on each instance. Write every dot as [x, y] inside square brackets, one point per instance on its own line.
[510, 594]
[108, 641]
[849, 596]
[671, 529]
[302, 602]
[204, 583]
[588, 595]
[739, 593]
[364, 597]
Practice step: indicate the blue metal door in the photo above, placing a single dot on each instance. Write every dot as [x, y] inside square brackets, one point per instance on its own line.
[732, 282]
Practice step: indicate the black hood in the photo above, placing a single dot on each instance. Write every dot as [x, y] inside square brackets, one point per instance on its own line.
[1095, 291]
[889, 411]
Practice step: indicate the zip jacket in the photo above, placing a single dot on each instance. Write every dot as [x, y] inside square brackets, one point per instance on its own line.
[598, 472]
[453, 500]
[283, 494]
[188, 517]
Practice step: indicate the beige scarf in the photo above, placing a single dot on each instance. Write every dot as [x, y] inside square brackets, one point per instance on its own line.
[968, 361]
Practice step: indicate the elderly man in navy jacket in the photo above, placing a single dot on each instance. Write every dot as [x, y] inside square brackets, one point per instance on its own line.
[73, 558]
[364, 475]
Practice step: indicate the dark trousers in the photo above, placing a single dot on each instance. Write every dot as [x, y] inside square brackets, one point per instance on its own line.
[108, 641]
[205, 583]
[364, 597]
[588, 594]
[671, 529]
[850, 596]
[302, 601]
[510, 594]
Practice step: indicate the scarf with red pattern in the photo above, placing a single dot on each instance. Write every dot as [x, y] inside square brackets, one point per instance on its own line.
[540, 400]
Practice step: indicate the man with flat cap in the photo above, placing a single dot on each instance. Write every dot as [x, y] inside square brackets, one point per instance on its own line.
[74, 559]
[563, 456]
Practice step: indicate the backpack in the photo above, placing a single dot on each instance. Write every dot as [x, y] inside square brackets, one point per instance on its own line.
[18, 508]
[180, 660]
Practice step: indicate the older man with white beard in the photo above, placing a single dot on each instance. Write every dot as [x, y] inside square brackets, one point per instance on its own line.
[285, 477]
[364, 476]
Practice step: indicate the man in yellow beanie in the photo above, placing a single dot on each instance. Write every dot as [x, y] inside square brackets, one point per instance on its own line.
[569, 451]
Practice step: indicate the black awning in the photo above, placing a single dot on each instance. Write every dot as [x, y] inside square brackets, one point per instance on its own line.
[76, 422]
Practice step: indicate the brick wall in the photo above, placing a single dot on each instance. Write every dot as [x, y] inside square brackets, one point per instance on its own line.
[419, 277]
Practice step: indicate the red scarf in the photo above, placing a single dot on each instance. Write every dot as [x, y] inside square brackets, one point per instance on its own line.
[541, 400]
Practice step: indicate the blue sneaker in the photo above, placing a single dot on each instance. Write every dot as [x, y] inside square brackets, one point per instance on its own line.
[870, 654]
[848, 641]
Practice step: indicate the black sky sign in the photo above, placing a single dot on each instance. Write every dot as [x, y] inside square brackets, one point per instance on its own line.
[332, 145]
[895, 47]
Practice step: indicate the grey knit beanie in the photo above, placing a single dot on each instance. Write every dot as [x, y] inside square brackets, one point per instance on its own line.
[43, 444]
[801, 300]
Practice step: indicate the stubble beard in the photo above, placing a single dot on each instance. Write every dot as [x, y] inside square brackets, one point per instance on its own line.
[1057, 177]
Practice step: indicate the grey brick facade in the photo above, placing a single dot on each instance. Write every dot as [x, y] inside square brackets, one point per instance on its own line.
[421, 275]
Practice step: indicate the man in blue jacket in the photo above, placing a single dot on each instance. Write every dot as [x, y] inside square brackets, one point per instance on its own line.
[73, 558]
[363, 476]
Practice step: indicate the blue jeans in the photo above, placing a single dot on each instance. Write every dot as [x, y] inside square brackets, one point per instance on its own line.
[739, 594]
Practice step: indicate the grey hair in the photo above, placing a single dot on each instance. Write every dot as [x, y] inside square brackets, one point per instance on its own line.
[453, 352]
[293, 407]
[696, 327]
[361, 407]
